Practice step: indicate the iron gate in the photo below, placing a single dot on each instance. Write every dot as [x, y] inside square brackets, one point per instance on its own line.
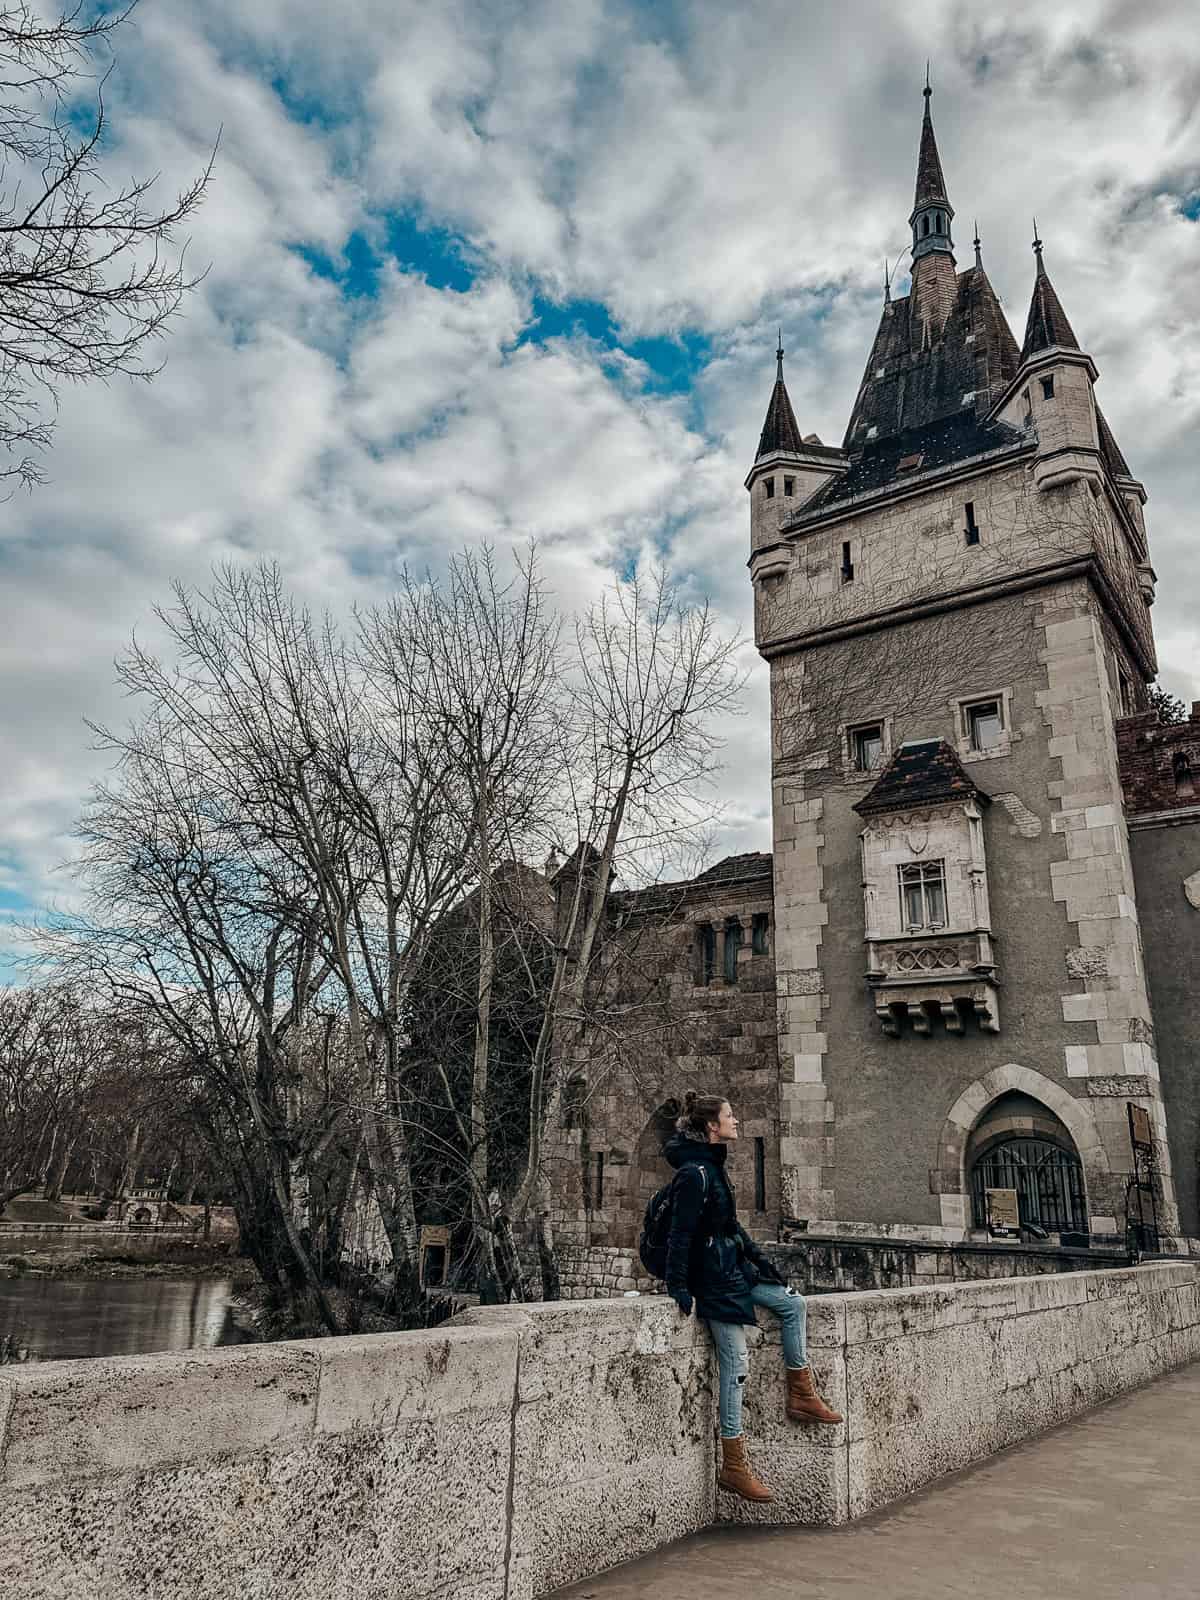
[1047, 1178]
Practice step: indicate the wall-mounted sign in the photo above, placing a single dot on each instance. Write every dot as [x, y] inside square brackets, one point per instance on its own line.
[1003, 1213]
[1139, 1125]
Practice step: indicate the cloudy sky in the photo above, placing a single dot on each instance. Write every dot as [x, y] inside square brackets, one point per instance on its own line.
[486, 271]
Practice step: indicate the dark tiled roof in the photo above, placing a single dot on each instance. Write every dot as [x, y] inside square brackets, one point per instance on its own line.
[928, 398]
[1110, 449]
[658, 897]
[752, 865]
[923, 773]
[780, 430]
[1047, 322]
[909, 383]
[888, 462]
[931, 184]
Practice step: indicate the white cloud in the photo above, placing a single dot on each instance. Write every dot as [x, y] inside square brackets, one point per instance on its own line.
[688, 165]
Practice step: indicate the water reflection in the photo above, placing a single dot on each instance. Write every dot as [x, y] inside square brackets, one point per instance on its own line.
[60, 1320]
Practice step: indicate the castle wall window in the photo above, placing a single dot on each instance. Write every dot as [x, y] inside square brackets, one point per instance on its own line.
[758, 933]
[984, 721]
[789, 486]
[599, 1190]
[1126, 694]
[866, 746]
[706, 953]
[847, 563]
[923, 896]
[924, 227]
[769, 488]
[760, 1174]
[971, 531]
[1048, 388]
[733, 943]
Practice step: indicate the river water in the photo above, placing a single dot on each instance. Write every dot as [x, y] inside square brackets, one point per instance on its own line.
[60, 1319]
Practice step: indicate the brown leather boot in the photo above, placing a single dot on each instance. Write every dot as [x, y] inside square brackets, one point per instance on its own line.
[737, 1475]
[804, 1404]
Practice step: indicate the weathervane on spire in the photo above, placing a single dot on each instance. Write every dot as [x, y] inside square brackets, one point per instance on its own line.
[887, 283]
[1037, 243]
[779, 359]
[927, 91]
[978, 246]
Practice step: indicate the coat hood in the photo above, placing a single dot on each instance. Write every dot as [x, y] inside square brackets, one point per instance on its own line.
[680, 1149]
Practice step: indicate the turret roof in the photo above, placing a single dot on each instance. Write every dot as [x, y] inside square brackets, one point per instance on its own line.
[1047, 323]
[780, 430]
[922, 772]
[931, 182]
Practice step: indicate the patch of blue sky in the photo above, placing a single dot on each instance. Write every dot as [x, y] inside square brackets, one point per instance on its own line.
[440, 257]
[672, 362]
[1189, 206]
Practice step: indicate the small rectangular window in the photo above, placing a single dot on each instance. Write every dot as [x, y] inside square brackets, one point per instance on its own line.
[760, 1174]
[866, 746]
[706, 964]
[758, 933]
[923, 896]
[971, 530]
[847, 564]
[769, 488]
[733, 943]
[1126, 694]
[985, 724]
[1048, 388]
[789, 486]
[599, 1191]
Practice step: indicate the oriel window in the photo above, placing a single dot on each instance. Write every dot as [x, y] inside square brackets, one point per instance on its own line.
[923, 896]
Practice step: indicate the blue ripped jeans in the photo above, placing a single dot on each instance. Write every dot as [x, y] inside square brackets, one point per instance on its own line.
[733, 1355]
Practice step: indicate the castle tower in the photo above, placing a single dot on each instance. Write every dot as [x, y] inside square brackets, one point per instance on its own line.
[954, 607]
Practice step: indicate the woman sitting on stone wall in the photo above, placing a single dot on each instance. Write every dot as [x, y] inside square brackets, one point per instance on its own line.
[713, 1262]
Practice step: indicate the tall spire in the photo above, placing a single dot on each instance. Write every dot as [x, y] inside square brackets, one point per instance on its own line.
[932, 211]
[1047, 323]
[780, 430]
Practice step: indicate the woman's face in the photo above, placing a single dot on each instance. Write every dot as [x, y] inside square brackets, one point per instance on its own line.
[725, 1127]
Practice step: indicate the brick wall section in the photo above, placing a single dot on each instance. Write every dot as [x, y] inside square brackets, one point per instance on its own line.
[1160, 763]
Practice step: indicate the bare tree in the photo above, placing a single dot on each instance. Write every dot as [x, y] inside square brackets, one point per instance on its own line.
[49, 1053]
[650, 679]
[88, 279]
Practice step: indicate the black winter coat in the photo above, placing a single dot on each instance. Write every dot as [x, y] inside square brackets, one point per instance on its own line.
[709, 1253]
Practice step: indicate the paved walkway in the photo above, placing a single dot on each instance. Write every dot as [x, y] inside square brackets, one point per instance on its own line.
[1103, 1508]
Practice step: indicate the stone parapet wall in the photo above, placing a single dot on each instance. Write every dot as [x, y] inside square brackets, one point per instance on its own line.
[524, 1447]
[597, 1272]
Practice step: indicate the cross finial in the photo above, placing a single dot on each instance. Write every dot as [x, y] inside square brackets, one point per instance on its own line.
[978, 246]
[927, 91]
[779, 359]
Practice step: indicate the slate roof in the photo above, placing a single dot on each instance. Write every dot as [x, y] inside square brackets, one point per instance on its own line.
[780, 430]
[1047, 323]
[1110, 449]
[754, 864]
[931, 184]
[672, 896]
[921, 773]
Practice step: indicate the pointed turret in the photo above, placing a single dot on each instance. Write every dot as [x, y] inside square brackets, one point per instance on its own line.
[932, 212]
[1046, 327]
[787, 466]
[780, 430]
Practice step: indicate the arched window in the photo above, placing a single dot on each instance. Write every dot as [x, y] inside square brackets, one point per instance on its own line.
[1181, 768]
[1046, 1175]
[924, 227]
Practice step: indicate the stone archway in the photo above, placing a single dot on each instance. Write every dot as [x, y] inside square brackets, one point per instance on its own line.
[648, 1171]
[968, 1109]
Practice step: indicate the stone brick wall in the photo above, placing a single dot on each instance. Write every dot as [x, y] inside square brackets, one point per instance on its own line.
[1160, 763]
[667, 1027]
[523, 1448]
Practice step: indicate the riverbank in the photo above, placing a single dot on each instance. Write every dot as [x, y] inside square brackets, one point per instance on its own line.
[183, 1258]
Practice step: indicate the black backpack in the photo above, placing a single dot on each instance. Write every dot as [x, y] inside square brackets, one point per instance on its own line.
[656, 1225]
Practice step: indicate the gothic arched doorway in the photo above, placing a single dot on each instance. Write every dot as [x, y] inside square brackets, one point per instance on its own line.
[1020, 1144]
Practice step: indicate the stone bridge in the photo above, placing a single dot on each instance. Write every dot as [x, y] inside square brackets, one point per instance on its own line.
[528, 1448]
